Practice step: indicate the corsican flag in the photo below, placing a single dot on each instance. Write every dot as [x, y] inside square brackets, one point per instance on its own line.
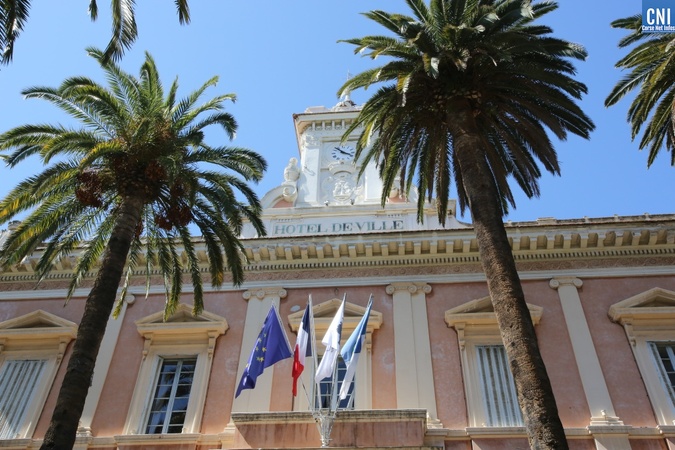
[271, 347]
[352, 349]
[332, 343]
[303, 345]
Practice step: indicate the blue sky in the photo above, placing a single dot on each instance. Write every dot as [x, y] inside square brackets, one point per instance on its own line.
[282, 57]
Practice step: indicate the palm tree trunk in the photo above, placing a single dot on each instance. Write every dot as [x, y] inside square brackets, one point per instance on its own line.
[535, 395]
[70, 403]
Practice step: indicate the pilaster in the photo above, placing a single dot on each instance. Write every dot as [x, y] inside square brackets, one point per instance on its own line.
[259, 302]
[603, 418]
[414, 371]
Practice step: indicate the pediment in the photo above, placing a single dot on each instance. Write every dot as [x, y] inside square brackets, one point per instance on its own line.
[38, 329]
[481, 312]
[183, 314]
[37, 319]
[656, 303]
[182, 321]
[325, 311]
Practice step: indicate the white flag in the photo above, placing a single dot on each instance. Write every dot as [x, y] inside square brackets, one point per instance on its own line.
[332, 343]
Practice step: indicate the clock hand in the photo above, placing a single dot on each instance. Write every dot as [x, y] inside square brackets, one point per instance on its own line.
[342, 151]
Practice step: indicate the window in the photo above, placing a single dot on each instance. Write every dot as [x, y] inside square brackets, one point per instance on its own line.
[499, 390]
[171, 397]
[490, 390]
[325, 392]
[323, 316]
[18, 380]
[31, 349]
[649, 322]
[664, 356]
[174, 374]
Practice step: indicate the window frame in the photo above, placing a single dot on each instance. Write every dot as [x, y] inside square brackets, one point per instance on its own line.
[181, 336]
[650, 317]
[172, 393]
[510, 385]
[323, 315]
[341, 371]
[476, 325]
[37, 335]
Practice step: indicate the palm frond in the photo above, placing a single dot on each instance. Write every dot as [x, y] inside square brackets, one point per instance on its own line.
[139, 159]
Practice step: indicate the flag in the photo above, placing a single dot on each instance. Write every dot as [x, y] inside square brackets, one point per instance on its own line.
[303, 345]
[271, 347]
[352, 349]
[332, 343]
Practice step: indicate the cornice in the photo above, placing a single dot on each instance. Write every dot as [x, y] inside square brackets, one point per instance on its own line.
[546, 244]
[349, 279]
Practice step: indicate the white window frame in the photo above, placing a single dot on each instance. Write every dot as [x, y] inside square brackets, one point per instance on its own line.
[181, 336]
[172, 394]
[38, 335]
[650, 317]
[323, 316]
[476, 325]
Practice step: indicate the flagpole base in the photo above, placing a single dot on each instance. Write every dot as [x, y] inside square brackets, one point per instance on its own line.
[324, 421]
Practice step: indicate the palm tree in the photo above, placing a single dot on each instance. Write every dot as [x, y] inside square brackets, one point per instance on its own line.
[476, 87]
[124, 190]
[652, 70]
[14, 14]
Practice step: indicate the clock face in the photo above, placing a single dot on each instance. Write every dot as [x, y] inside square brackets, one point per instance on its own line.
[343, 152]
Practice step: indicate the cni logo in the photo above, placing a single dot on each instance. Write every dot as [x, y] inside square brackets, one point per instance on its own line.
[656, 16]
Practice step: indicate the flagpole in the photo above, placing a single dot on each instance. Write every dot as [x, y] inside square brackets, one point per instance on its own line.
[334, 379]
[288, 343]
[312, 343]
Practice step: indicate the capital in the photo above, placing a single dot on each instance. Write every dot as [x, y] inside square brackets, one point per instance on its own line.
[261, 293]
[410, 287]
[555, 283]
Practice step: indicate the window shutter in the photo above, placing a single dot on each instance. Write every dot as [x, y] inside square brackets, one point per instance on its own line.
[499, 390]
[18, 379]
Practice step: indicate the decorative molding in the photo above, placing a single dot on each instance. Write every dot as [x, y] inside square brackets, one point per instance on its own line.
[556, 282]
[38, 335]
[182, 334]
[37, 330]
[649, 317]
[261, 293]
[376, 276]
[411, 287]
[558, 245]
[182, 326]
[476, 324]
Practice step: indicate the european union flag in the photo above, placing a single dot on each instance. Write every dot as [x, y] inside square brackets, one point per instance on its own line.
[271, 347]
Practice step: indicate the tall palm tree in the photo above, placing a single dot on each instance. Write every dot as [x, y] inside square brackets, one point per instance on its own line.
[14, 14]
[124, 189]
[476, 87]
[652, 72]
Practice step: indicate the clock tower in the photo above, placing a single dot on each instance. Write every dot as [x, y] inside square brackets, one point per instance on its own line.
[322, 192]
[329, 172]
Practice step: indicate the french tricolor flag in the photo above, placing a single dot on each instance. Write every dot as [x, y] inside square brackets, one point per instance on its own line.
[303, 346]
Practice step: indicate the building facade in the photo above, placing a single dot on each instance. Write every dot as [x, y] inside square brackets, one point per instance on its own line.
[601, 292]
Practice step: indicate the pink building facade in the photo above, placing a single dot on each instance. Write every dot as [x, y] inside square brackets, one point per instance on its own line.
[433, 374]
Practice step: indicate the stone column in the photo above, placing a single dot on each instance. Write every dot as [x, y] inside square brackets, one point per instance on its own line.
[259, 303]
[414, 372]
[606, 427]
